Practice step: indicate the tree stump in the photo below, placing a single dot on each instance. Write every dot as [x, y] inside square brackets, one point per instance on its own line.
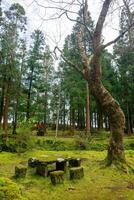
[74, 162]
[20, 171]
[42, 170]
[57, 177]
[76, 173]
[61, 164]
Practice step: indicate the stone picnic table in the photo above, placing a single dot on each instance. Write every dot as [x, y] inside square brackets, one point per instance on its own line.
[46, 164]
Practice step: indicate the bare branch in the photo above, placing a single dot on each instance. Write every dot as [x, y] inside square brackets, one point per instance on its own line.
[117, 38]
[55, 7]
[69, 62]
[81, 23]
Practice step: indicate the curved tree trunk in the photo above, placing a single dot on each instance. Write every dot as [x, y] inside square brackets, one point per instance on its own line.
[117, 122]
[92, 73]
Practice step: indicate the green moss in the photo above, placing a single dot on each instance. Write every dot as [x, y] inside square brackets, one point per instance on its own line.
[20, 171]
[9, 190]
[76, 173]
[57, 177]
[99, 181]
[57, 173]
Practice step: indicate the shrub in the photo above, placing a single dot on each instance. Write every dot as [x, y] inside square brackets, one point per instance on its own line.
[81, 144]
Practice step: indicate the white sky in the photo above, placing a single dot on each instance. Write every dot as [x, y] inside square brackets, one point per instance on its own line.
[55, 31]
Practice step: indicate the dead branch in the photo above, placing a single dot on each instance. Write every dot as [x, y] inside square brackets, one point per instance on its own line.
[68, 61]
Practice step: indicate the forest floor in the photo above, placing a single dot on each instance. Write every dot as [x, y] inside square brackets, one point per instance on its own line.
[99, 182]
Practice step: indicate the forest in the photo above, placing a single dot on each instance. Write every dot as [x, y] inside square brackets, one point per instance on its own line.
[67, 110]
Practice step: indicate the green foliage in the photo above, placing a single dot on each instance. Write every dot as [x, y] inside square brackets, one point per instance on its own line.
[9, 190]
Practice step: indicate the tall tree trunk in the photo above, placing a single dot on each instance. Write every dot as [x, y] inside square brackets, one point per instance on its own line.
[5, 110]
[100, 118]
[45, 111]
[15, 117]
[117, 122]
[64, 115]
[128, 121]
[29, 96]
[92, 73]
[72, 121]
[88, 131]
[2, 104]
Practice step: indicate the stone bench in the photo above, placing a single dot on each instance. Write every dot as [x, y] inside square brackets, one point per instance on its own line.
[20, 171]
[57, 177]
[76, 173]
[74, 162]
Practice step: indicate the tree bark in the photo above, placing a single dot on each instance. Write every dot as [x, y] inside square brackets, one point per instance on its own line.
[117, 122]
[29, 95]
[2, 104]
[15, 116]
[88, 131]
[92, 73]
[5, 110]
[100, 118]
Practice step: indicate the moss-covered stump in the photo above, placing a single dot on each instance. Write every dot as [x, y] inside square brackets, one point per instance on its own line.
[42, 170]
[9, 190]
[74, 162]
[32, 162]
[61, 164]
[20, 171]
[57, 177]
[76, 173]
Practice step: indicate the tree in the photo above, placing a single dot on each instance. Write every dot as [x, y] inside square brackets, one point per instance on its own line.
[124, 54]
[34, 64]
[92, 73]
[13, 25]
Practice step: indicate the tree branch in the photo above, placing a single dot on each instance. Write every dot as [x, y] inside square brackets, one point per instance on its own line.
[85, 60]
[69, 62]
[117, 38]
[100, 22]
[81, 23]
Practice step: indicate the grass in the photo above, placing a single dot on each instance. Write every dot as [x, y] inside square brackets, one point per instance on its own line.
[99, 183]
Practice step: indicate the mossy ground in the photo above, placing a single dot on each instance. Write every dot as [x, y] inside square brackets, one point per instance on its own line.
[99, 182]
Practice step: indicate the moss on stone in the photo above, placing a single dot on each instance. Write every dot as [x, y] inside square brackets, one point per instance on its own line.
[76, 173]
[42, 170]
[74, 162]
[20, 171]
[57, 177]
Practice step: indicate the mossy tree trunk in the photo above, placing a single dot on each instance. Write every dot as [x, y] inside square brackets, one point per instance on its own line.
[117, 122]
[92, 73]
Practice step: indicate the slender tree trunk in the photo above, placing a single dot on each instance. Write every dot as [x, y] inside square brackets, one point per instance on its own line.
[45, 111]
[100, 118]
[129, 124]
[130, 120]
[57, 120]
[64, 115]
[95, 119]
[88, 131]
[2, 104]
[5, 111]
[78, 116]
[29, 95]
[72, 121]
[15, 117]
